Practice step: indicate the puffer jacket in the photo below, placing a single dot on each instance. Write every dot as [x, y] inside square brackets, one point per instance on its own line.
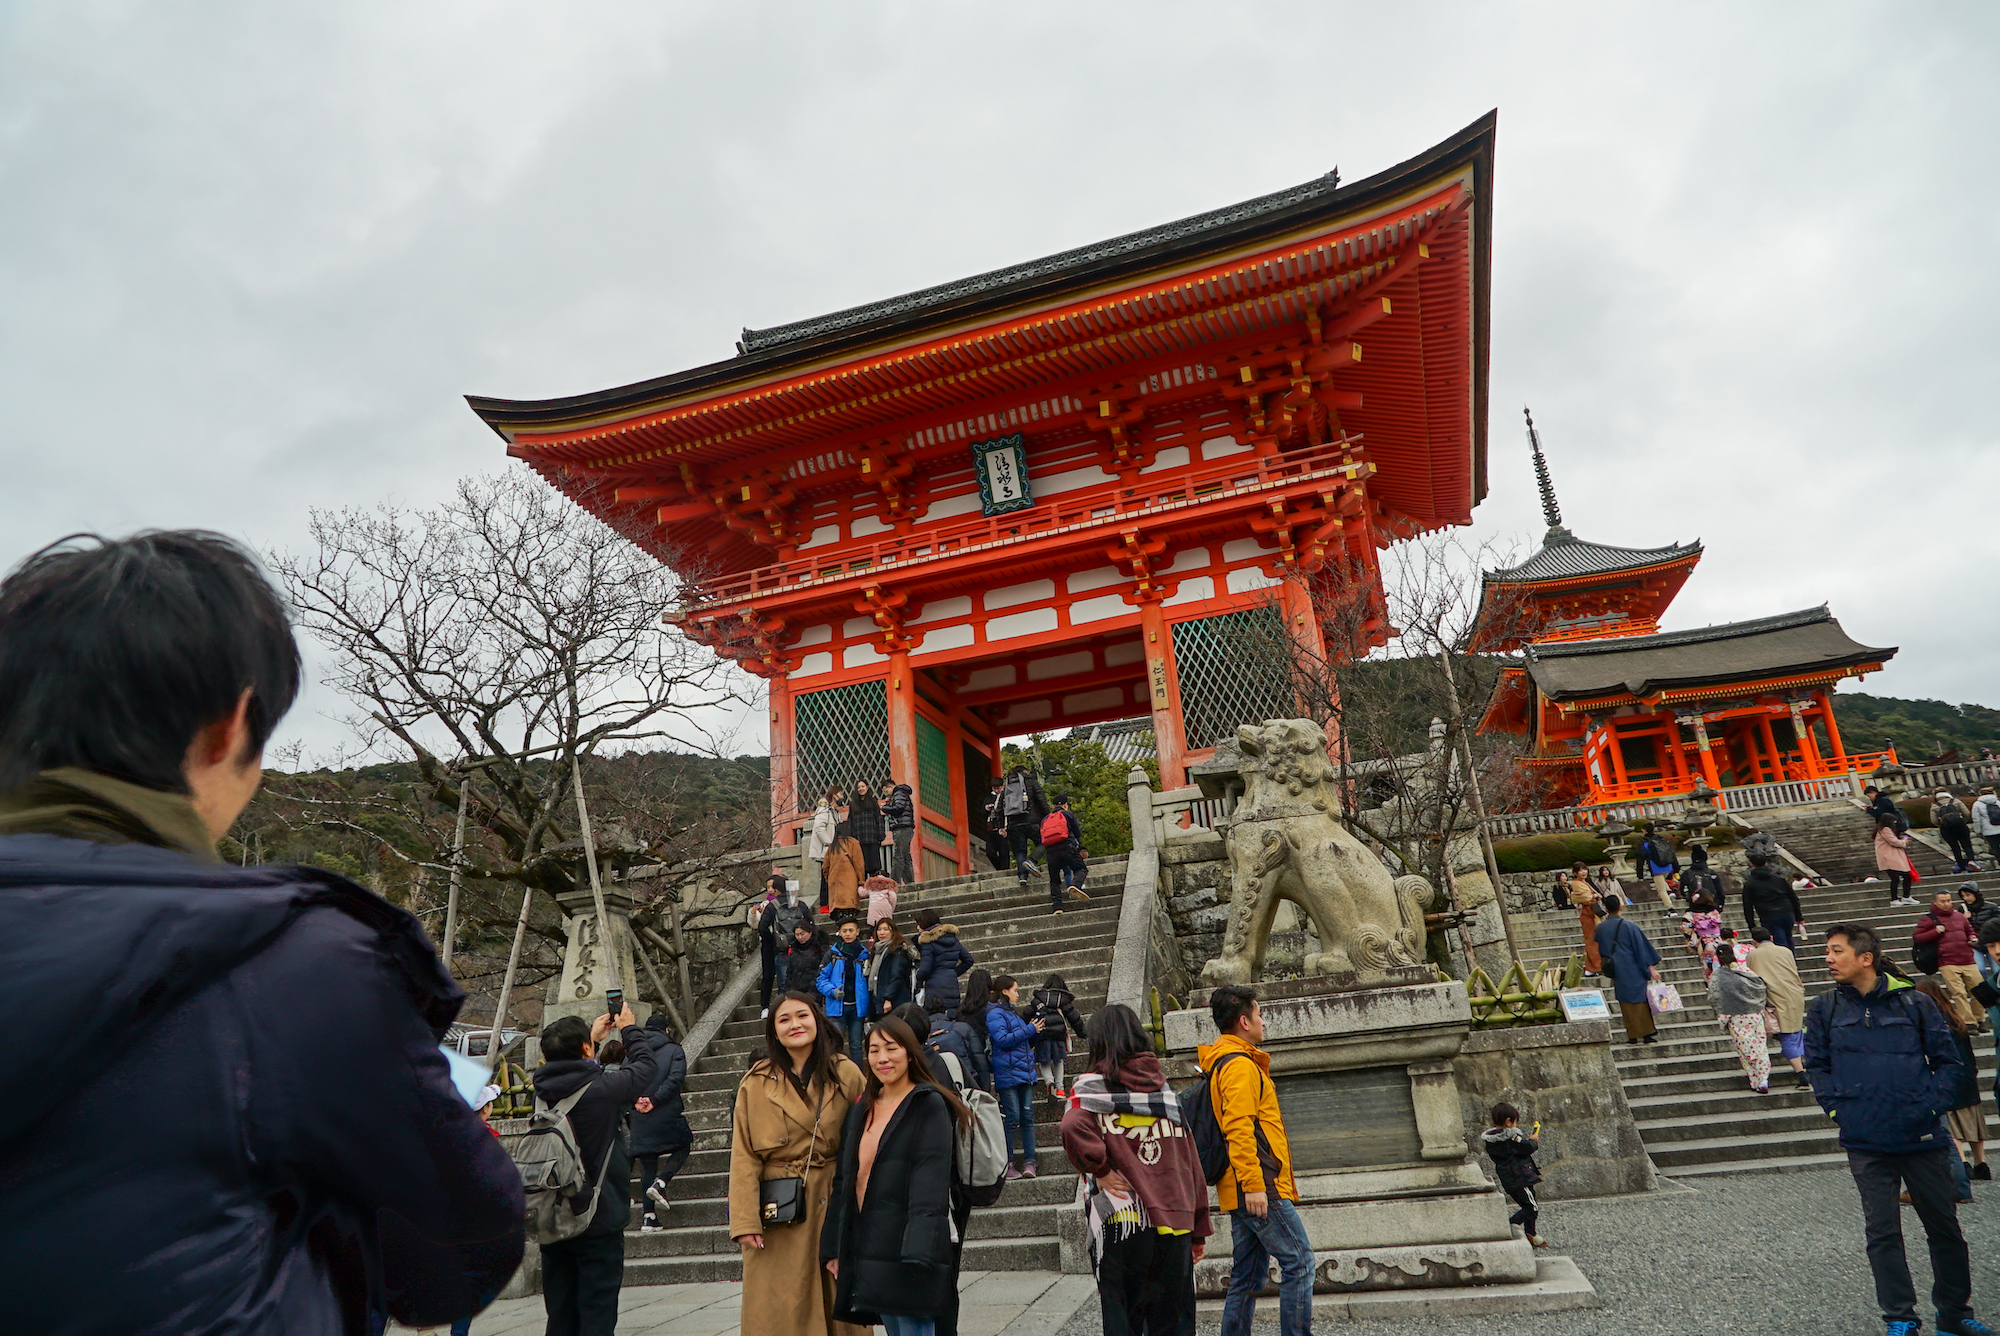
[1884, 1065]
[895, 1241]
[802, 964]
[940, 962]
[1055, 1008]
[1513, 1155]
[1986, 815]
[666, 1127]
[843, 979]
[899, 809]
[957, 1039]
[1013, 1041]
[889, 975]
[1734, 991]
[1957, 940]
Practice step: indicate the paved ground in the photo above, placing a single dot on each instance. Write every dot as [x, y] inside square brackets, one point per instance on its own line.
[1759, 1253]
[991, 1303]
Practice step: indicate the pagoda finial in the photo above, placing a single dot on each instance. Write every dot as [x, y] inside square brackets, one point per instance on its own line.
[1550, 510]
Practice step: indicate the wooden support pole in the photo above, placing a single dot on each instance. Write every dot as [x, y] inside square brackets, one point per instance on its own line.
[1478, 804]
[611, 980]
[784, 761]
[681, 955]
[1163, 688]
[457, 879]
[902, 702]
[660, 989]
[507, 979]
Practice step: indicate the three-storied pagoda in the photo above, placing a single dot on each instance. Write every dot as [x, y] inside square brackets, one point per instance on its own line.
[1038, 497]
[1615, 709]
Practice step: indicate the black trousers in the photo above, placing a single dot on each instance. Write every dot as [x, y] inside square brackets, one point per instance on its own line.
[1929, 1176]
[1959, 836]
[871, 860]
[1899, 882]
[580, 1281]
[1022, 840]
[1064, 864]
[1524, 1197]
[768, 958]
[664, 1165]
[1145, 1285]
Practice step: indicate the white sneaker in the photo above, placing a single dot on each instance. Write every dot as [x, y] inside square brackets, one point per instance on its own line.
[656, 1192]
[764, 1015]
[649, 1227]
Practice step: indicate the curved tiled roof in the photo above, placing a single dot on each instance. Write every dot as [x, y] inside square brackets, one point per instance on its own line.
[1564, 556]
[1807, 641]
[1082, 257]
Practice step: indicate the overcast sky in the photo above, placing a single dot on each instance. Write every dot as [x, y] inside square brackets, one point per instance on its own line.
[1744, 263]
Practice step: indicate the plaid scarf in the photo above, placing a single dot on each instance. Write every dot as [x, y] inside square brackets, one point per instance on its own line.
[1110, 1216]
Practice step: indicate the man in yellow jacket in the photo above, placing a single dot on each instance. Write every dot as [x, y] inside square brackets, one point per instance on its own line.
[1257, 1190]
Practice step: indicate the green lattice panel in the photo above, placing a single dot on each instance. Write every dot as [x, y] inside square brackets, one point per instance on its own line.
[934, 768]
[843, 736]
[1233, 669]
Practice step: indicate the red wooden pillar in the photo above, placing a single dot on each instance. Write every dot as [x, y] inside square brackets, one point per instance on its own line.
[954, 740]
[1808, 745]
[1833, 732]
[1164, 691]
[1309, 645]
[1708, 769]
[784, 760]
[903, 725]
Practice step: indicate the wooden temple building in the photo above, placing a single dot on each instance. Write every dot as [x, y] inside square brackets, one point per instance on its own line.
[1614, 709]
[1042, 497]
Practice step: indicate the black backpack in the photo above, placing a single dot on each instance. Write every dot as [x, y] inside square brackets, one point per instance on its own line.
[1924, 955]
[1198, 1111]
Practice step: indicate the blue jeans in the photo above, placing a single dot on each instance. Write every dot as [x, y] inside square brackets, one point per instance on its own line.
[1780, 930]
[855, 1026]
[1017, 1110]
[1281, 1237]
[894, 1325]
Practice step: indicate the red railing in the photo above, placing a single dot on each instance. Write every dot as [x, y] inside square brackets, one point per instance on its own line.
[1107, 504]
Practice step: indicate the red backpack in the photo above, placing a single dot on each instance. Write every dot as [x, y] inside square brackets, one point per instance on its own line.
[1055, 828]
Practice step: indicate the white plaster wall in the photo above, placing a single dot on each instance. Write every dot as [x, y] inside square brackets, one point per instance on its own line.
[867, 524]
[1007, 596]
[856, 656]
[1054, 484]
[815, 635]
[1097, 577]
[1131, 651]
[1194, 589]
[1221, 447]
[857, 626]
[1245, 578]
[1194, 559]
[945, 609]
[1020, 624]
[1243, 549]
[1027, 712]
[985, 679]
[812, 665]
[1062, 665]
[945, 637]
[1094, 700]
[826, 533]
[1173, 457]
[953, 505]
[1097, 609]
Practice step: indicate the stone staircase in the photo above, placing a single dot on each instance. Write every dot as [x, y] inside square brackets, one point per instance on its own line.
[1008, 931]
[1837, 840]
[1690, 1098]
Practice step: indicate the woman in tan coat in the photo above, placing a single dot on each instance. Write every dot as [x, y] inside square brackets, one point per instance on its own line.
[845, 872]
[790, 1110]
[1584, 896]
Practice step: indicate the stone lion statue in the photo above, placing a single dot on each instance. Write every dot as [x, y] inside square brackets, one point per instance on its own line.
[1286, 842]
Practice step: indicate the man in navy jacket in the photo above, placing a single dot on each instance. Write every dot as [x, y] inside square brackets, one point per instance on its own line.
[251, 1053]
[1884, 1065]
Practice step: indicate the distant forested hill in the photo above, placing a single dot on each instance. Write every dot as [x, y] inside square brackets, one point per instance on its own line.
[1919, 729]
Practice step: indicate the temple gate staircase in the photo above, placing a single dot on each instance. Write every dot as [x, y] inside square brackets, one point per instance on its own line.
[1693, 1105]
[1837, 841]
[1008, 930]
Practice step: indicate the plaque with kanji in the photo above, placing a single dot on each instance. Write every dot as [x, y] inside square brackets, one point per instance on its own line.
[1002, 469]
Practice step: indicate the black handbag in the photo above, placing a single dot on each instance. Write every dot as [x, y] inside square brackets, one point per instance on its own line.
[782, 1201]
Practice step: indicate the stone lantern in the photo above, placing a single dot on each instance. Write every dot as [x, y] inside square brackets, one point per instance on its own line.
[1892, 779]
[1699, 816]
[1615, 832]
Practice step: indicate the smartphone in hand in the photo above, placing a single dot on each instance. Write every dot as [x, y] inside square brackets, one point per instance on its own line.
[614, 1003]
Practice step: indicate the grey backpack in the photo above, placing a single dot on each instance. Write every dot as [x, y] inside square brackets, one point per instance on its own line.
[552, 1172]
[979, 1150]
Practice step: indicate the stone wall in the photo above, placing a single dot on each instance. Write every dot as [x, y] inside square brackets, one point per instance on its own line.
[1564, 1075]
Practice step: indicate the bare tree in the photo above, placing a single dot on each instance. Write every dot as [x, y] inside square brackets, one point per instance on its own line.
[496, 642]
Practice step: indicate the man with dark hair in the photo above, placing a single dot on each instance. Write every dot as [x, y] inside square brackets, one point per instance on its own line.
[1884, 1064]
[1023, 808]
[139, 682]
[1769, 900]
[1257, 1188]
[581, 1276]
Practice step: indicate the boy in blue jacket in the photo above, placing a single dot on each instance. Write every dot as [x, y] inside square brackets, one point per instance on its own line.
[843, 982]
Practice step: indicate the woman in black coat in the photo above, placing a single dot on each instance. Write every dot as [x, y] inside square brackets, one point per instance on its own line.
[661, 1137]
[867, 825]
[890, 1237]
[892, 964]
